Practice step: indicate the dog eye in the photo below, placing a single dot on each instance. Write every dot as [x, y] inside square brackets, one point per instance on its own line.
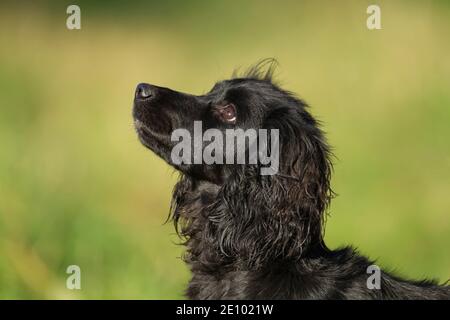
[228, 113]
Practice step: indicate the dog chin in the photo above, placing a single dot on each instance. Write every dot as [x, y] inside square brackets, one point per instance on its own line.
[159, 144]
[143, 132]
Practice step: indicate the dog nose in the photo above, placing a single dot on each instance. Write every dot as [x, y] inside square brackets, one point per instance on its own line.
[144, 91]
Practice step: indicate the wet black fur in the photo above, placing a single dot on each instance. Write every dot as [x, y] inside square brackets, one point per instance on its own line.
[261, 237]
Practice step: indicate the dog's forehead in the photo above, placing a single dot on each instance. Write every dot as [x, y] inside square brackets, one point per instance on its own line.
[221, 88]
[224, 85]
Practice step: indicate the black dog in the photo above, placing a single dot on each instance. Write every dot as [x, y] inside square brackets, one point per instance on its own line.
[253, 236]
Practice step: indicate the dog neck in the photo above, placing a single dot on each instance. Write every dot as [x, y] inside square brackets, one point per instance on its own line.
[218, 236]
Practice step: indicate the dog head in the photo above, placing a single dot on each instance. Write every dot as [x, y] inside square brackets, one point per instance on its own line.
[287, 205]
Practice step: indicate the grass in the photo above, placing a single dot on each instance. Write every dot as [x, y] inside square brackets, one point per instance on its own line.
[77, 187]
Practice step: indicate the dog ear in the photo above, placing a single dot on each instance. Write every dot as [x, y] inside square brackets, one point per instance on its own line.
[265, 218]
[305, 163]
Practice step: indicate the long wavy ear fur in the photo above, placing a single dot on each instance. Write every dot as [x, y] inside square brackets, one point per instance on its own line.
[279, 217]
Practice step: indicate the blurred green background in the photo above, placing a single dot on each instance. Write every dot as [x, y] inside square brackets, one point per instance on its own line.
[76, 187]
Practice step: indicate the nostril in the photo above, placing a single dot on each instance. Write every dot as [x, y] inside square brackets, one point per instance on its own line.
[143, 91]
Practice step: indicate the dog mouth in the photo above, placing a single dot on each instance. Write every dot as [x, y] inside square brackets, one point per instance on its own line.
[143, 133]
[149, 137]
